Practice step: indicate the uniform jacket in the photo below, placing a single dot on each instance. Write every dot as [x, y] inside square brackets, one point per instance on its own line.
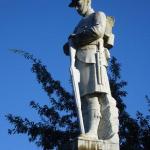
[88, 33]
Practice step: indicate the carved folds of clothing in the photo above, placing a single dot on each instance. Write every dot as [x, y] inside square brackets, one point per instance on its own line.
[88, 33]
[89, 37]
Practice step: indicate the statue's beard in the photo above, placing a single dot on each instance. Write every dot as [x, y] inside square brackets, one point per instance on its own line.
[85, 8]
[83, 11]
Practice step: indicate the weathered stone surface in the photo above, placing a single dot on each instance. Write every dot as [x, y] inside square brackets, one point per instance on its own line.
[89, 46]
[88, 144]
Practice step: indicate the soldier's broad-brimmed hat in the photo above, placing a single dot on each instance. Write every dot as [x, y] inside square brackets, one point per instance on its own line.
[74, 3]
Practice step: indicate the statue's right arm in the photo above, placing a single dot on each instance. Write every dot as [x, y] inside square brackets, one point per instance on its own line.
[66, 45]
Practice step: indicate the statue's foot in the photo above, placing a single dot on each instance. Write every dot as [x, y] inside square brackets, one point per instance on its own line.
[89, 135]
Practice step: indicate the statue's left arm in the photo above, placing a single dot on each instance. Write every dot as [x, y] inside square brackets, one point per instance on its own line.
[92, 33]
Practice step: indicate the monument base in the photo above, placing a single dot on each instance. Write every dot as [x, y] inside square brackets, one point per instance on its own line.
[82, 143]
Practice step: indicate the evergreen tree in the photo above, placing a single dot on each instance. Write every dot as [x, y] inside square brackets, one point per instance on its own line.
[129, 128]
[58, 118]
[59, 121]
[144, 131]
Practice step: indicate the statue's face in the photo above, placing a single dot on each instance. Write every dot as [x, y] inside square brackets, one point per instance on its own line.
[82, 7]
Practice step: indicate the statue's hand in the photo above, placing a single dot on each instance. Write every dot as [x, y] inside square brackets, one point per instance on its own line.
[74, 41]
[66, 48]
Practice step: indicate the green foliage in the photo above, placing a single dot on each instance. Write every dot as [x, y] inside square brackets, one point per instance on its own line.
[128, 130]
[116, 84]
[59, 119]
[54, 127]
[134, 133]
[144, 130]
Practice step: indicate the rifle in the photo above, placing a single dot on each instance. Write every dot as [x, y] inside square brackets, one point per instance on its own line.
[75, 75]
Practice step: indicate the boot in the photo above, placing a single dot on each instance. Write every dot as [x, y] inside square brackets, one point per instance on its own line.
[91, 117]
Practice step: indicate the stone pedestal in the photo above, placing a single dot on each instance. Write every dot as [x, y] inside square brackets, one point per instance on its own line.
[82, 143]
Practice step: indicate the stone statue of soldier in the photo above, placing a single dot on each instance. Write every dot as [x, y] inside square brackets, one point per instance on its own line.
[92, 38]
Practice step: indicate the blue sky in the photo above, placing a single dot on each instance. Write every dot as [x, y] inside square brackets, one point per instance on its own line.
[42, 27]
